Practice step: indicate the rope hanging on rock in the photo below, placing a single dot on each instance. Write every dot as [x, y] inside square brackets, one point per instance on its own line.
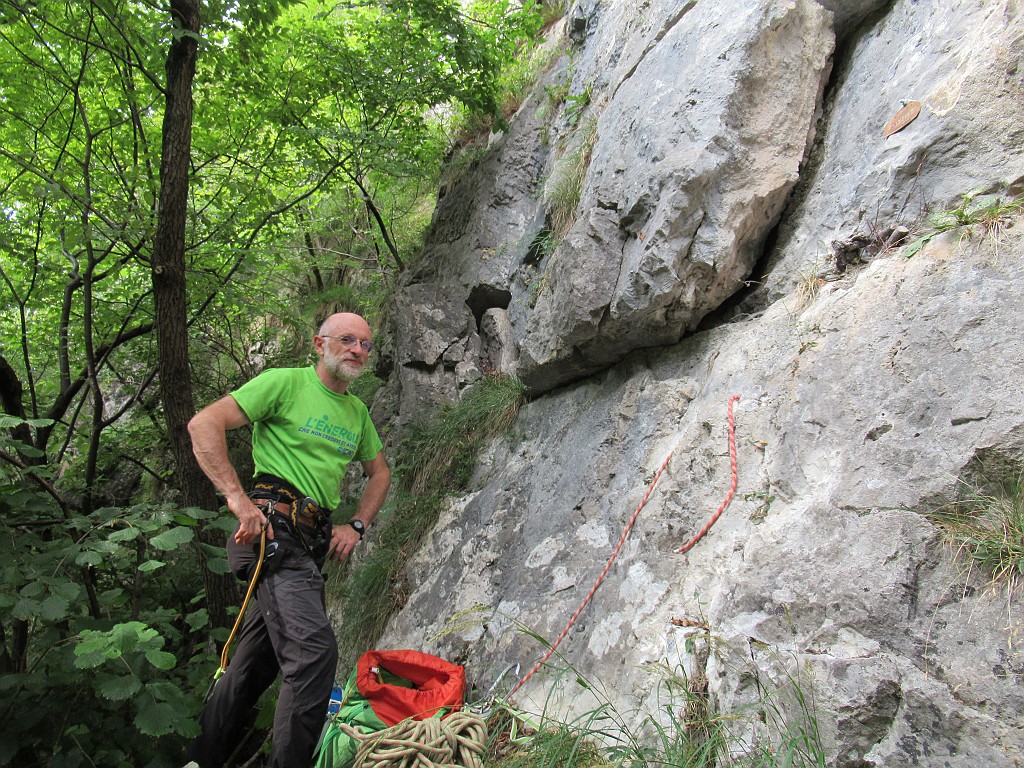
[625, 534]
[458, 740]
[732, 485]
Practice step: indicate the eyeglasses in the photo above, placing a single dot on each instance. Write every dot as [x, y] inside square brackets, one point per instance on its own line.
[351, 341]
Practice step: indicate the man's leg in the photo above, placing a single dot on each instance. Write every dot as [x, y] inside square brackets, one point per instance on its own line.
[250, 672]
[307, 653]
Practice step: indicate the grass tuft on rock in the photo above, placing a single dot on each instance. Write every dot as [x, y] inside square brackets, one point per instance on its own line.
[436, 460]
[986, 524]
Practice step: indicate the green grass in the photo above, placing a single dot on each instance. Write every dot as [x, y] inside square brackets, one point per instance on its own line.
[522, 74]
[564, 187]
[557, 745]
[551, 11]
[987, 215]
[436, 460]
[986, 524]
[684, 731]
[440, 453]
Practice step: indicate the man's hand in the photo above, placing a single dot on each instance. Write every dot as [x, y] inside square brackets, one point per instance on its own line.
[251, 520]
[343, 540]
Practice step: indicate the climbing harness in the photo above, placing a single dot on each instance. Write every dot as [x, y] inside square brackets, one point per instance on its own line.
[625, 535]
[301, 515]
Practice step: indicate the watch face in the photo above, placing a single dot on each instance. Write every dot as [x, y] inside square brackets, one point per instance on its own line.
[358, 525]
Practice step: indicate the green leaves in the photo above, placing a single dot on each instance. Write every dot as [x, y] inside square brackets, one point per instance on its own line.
[97, 647]
[117, 687]
[158, 703]
[156, 718]
[989, 214]
[108, 629]
[318, 134]
[173, 538]
[48, 599]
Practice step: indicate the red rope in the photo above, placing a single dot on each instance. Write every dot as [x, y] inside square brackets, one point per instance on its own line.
[624, 536]
[732, 484]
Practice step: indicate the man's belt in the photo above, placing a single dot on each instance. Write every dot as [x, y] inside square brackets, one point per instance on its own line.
[297, 510]
[305, 519]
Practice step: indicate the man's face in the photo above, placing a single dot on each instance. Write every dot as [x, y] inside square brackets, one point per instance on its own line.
[343, 354]
[343, 363]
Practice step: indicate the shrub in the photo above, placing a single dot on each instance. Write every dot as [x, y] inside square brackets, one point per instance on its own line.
[103, 632]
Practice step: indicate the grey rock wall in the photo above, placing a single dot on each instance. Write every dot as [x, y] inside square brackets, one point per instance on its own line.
[742, 229]
[962, 63]
[707, 119]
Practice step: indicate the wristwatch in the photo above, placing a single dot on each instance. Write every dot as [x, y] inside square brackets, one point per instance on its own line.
[359, 526]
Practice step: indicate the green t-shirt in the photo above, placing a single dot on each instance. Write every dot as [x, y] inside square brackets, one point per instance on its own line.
[305, 433]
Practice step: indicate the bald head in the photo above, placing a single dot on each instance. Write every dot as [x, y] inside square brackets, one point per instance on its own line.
[342, 323]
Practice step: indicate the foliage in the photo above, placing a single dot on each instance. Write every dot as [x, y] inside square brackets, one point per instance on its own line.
[108, 629]
[365, 386]
[435, 460]
[576, 105]
[986, 524]
[551, 11]
[315, 151]
[985, 213]
[532, 59]
[558, 91]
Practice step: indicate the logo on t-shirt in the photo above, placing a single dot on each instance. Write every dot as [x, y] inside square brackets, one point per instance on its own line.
[344, 438]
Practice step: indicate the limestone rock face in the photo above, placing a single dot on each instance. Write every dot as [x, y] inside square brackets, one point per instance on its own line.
[707, 119]
[743, 227]
[866, 191]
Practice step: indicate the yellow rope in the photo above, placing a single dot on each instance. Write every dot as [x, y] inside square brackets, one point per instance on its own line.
[456, 741]
[245, 604]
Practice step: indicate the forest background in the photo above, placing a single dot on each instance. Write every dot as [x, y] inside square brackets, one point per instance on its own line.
[186, 188]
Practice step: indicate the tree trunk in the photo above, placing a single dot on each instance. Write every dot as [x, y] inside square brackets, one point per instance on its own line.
[169, 284]
[12, 404]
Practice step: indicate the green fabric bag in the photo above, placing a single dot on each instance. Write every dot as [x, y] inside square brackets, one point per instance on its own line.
[387, 687]
[337, 749]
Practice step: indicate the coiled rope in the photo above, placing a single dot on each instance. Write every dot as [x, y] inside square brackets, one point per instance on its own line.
[458, 740]
[625, 535]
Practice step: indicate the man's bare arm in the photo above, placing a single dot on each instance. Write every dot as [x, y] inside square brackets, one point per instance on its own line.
[378, 473]
[209, 429]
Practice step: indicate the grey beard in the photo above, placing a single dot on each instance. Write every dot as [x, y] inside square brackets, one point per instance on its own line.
[344, 371]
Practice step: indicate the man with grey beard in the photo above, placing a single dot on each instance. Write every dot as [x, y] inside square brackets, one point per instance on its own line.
[306, 429]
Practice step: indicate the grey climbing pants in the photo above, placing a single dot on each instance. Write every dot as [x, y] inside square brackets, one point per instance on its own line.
[286, 628]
